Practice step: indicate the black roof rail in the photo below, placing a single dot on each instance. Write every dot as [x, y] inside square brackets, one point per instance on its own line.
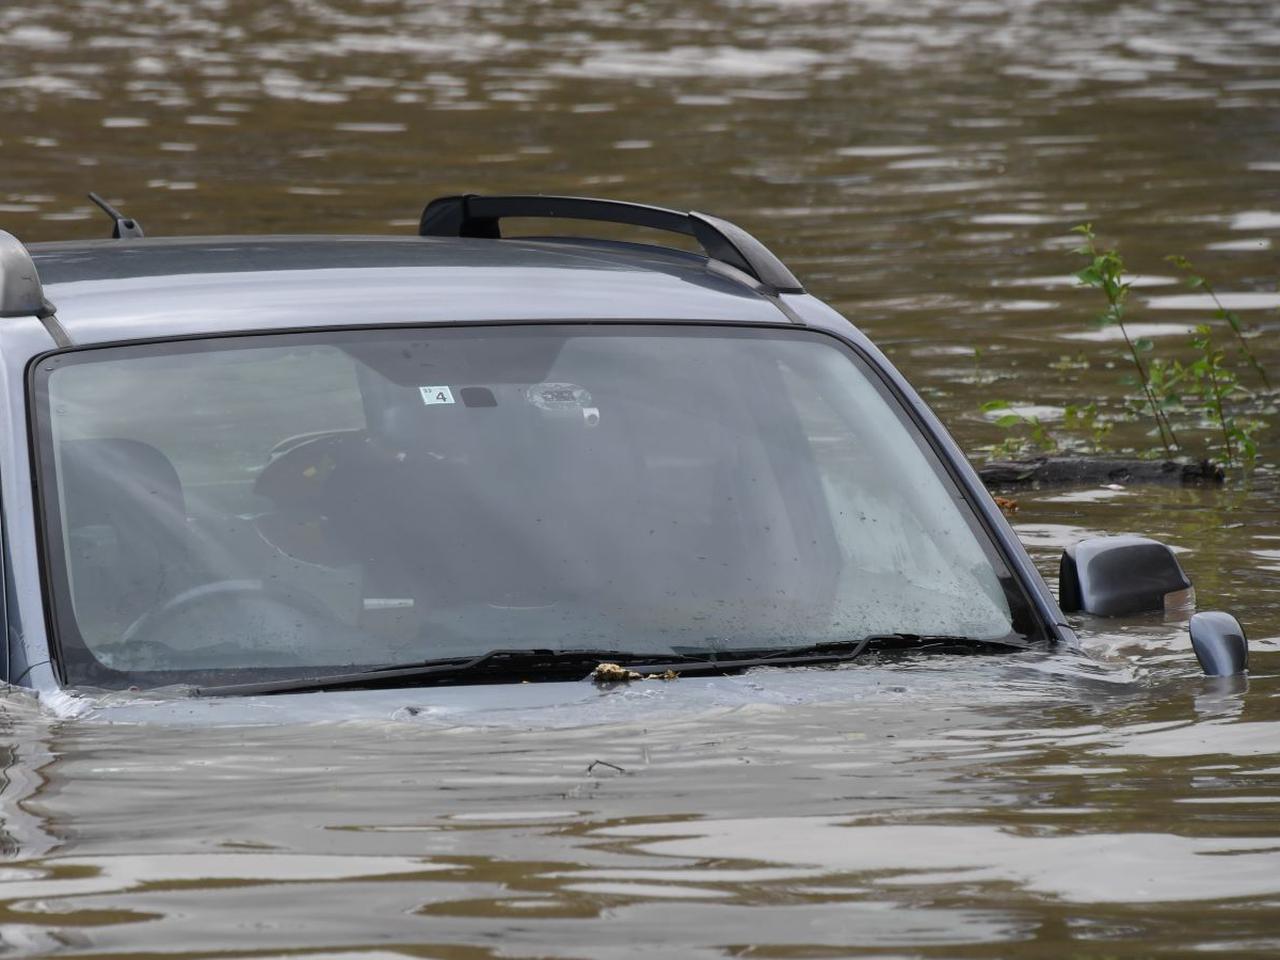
[478, 216]
[21, 293]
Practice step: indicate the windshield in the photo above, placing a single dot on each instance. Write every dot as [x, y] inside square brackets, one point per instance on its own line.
[238, 508]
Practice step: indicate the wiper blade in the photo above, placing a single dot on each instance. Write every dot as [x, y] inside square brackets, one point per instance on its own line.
[831, 651]
[578, 664]
[731, 661]
[539, 663]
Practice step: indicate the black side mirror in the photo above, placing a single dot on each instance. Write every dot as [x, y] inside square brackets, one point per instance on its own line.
[1120, 576]
[1220, 644]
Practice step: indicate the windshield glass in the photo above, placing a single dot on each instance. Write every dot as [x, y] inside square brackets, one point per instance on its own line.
[251, 507]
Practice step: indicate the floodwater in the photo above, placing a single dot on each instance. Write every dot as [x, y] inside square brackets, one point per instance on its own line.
[918, 165]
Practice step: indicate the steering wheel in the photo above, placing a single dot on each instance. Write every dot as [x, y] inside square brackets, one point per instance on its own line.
[220, 591]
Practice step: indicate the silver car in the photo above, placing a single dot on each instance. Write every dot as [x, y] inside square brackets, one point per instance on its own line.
[285, 465]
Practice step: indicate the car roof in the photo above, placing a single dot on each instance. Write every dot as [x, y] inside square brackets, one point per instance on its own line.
[117, 290]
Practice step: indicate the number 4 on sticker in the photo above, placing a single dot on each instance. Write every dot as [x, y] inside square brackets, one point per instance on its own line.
[434, 395]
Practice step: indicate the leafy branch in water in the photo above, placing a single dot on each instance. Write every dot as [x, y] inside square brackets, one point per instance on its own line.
[1027, 433]
[1105, 272]
[1214, 382]
[1205, 392]
[1087, 419]
[1229, 317]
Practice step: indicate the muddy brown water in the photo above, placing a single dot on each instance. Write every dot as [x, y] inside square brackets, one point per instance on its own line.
[919, 165]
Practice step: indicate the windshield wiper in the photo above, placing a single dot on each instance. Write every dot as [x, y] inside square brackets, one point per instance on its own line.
[542, 664]
[913, 641]
[840, 650]
[499, 665]
[494, 665]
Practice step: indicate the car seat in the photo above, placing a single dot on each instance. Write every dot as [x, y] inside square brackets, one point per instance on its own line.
[125, 530]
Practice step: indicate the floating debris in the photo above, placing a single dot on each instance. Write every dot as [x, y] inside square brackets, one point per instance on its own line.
[1068, 471]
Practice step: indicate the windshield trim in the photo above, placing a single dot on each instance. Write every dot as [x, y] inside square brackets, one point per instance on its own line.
[925, 428]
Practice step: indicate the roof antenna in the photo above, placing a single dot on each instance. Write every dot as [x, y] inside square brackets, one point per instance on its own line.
[124, 227]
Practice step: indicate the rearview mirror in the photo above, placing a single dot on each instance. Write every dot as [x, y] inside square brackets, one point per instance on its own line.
[1219, 643]
[1121, 576]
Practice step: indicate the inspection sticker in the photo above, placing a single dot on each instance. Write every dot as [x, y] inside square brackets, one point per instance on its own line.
[434, 395]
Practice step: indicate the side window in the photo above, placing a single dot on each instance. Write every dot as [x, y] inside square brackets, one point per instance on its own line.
[216, 418]
[891, 511]
[158, 466]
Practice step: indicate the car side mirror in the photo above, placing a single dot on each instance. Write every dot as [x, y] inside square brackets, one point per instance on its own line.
[1121, 576]
[1220, 644]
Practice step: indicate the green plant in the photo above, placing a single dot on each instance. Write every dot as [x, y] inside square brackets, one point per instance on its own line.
[977, 365]
[1087, 419]
[1066, 362]
[1025, 432]
[1213, 382]
[1202, 392]
[1105, 272]
[982, 375]
[1229, 317]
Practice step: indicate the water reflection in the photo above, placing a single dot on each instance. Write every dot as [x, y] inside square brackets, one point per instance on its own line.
[1156, 867]
[977, 810]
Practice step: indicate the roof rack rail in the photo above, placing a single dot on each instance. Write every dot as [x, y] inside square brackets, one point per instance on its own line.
[478, 216]
[21, 293]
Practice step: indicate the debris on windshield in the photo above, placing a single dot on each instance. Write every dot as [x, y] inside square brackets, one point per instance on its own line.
[606, 764]
[615, 673]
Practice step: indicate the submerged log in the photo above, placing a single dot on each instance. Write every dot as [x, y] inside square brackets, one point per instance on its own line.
[1064, 471]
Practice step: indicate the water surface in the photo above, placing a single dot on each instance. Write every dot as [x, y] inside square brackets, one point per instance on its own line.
[919, 165]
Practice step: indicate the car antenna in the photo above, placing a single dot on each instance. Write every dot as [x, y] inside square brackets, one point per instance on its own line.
[124, 227]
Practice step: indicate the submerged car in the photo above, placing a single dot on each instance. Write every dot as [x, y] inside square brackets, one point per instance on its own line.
[261, 465]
